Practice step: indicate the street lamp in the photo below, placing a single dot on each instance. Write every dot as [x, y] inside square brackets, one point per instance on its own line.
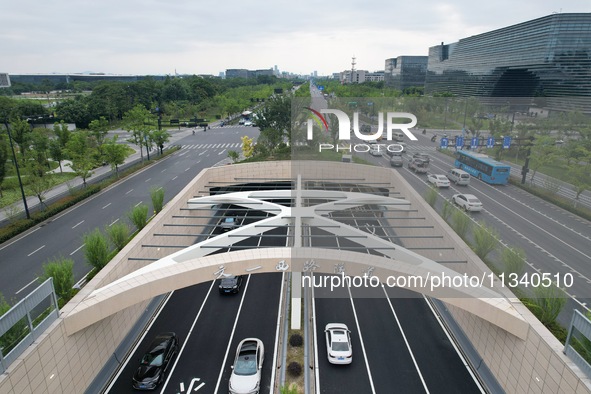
[18, 174]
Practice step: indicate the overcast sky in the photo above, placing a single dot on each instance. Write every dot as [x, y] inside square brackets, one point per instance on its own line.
[198, 37]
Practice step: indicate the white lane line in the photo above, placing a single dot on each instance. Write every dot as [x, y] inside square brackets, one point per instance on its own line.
[148, 180]
[217, 386]
[202, 152]
[115, 221]
[453, 343]
[414, 361]
[27, 285]
[187, 169]
[373, 389]
[76, 225]
[106, 206]
[163, 170]
[16, 240]
[276, 349]
[80, 247]
[137, 345]
[174, 178]
[35, 251]
[178, 357]
[222, 152]
[137, 204]
[129, 191]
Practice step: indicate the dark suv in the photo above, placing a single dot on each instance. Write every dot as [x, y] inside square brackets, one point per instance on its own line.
[422, 156]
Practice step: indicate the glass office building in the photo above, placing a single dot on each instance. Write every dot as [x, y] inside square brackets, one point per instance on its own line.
[405, 71]
[547, 58]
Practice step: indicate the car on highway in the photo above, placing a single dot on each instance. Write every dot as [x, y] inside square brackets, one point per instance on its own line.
[422, 156]
[418, 166]
[247, 367]
[468, 202]
[230, 284]
[229, 223]
[338, 343]
[155, 362]
[438, 180]
[375, 152]
[396, 161]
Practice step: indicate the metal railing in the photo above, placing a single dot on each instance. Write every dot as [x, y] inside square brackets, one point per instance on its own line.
[582, 335]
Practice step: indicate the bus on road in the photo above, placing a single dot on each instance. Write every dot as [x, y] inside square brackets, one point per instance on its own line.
[483, 167]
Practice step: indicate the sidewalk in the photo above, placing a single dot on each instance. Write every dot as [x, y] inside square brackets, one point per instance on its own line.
[98, 173]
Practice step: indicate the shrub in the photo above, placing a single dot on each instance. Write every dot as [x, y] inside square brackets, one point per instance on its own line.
[118, 234]
[139, 216]
[514, 261]
[157, 195]
[460, 223]
[447, 210]
[431, 196]
[96, 249]
[485, 240]
[296, 340]
[62, 272]
[546, 303]
[294, 369]
[291, 389]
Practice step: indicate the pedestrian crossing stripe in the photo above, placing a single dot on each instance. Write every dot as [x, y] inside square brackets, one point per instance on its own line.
[236, 145]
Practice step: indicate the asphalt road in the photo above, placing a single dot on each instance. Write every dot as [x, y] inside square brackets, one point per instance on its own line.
[21, 259]
[554, 240]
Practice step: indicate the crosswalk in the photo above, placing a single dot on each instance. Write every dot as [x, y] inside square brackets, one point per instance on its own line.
[235, 145]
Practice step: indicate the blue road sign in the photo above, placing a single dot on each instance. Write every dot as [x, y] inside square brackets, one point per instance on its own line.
[459, 142]
[490, 142]
[320, 87]
[506, 142]
[474, 142]
[443, 143]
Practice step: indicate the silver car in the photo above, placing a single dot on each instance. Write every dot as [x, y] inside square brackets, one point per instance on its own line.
[467, 201]
[247, 368]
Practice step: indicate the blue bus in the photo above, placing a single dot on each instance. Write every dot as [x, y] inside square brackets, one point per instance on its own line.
[483, 167]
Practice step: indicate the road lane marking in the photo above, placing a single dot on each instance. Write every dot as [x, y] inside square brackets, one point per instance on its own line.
[115, 221]
[202, 153]
[35, 251]
[80, 247]
[412, 356]
[221, 152]
[27, 285]
[187, 169]
[129, 191]
[138, 204]
[373, 389]
[217, 386]
[148, 180]
[163, 170]
[174, 178]
[78, 224]
[106, 206]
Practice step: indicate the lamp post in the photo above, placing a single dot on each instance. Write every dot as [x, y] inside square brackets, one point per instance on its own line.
[18, 174]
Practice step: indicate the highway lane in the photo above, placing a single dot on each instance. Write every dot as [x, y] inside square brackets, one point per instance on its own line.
[21, 259]
[554, 240]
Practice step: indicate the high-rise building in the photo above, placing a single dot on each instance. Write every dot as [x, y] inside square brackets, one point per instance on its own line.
[548, 57]
[405, 71]
[4, 80]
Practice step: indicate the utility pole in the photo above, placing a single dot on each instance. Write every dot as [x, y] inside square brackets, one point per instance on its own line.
[18, 173]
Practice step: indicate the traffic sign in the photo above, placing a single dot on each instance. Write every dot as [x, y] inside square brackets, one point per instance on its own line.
[490, 142]
[506, 142]
[459, 142]
[443, 143]
[474, 142]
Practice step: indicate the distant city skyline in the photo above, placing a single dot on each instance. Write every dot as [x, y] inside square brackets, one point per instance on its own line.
[158, 38]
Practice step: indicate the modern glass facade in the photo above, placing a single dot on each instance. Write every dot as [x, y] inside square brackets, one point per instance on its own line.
[405, 71]
[549, 57]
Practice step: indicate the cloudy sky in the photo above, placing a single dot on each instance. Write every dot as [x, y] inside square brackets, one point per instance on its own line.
[198, 37]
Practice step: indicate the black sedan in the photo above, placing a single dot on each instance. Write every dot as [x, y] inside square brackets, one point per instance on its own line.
[155, 363]
[230, 284]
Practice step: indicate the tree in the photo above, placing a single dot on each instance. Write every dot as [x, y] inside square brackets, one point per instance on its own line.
[3, 159]
[80, 150]
[543, 152]
[40, 145]
[137, 121]
[40, 184]
[233, 155]
[114, 153]
[62, 272]
[247, 146]
[275, 119]
[21, 135]
[99, 129]
[62, 133]
[57, 152]
[159, 137]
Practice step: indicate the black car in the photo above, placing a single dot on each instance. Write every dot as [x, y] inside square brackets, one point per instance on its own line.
[422, 156]
[155, 363]
[230, 284]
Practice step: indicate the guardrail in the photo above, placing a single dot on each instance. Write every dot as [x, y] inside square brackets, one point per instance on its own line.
[40, 309]
[582, 325]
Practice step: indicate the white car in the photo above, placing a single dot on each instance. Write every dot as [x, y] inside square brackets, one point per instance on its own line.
[247, 368]
[467, 201]
[248, 123]
[438, 180]
[375, 152]
[338, 343]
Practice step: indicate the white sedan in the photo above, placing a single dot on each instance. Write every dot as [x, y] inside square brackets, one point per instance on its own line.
[247, 368]
[338, 343]
[438, 180]
[467, 201]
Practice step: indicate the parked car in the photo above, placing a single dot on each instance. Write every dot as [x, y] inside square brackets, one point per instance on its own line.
[468, 202]
[396, 161]
[229, 223]
[247, 367]
[248, 123]
[338, 343]
[230, 284]
[438, 180]
[241, 121]
[155, 362]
